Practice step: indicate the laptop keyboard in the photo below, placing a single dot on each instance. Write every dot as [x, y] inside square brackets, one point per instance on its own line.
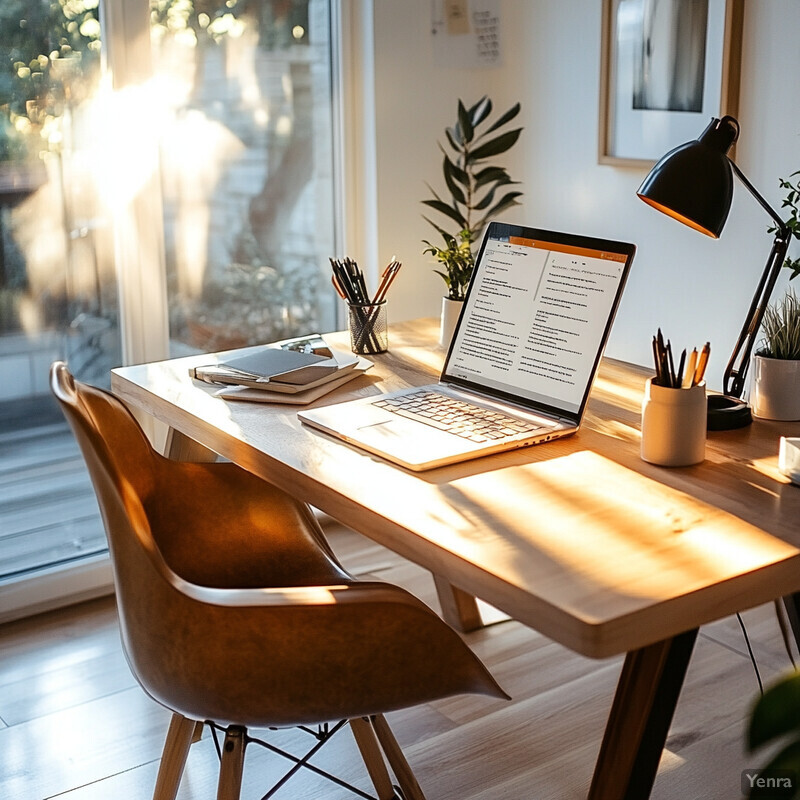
[469, 421]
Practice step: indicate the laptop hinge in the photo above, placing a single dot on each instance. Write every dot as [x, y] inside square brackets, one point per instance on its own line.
[522, 408]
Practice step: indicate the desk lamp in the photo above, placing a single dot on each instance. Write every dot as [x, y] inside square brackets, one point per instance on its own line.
[694, 184]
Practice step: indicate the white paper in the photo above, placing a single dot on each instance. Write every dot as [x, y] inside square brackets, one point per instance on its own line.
[466, 33]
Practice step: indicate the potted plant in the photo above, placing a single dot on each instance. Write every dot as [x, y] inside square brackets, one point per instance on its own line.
[475, 197]
[775, 386]
[793, 223]
[776, 373]
[774, 721]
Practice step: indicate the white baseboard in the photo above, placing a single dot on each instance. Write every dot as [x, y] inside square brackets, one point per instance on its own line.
[55, 587]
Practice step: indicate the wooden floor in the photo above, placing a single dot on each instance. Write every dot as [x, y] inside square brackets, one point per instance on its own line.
[74, 725]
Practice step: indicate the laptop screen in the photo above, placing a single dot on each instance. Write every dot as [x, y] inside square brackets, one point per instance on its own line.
[537, 315]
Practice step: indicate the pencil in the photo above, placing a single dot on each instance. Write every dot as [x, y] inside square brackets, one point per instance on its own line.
[702, 362]
[688, 376]
[680, 373]
[672, 379]
[657, 360]
[388, 276]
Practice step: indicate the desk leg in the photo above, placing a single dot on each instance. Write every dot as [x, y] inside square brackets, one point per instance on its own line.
[637, 727]
[459, 608]
[180, 447]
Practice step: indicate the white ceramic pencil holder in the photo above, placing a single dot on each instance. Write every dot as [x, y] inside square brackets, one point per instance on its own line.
[674, 425]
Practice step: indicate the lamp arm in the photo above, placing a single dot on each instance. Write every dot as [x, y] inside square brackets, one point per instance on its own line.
[734, 376]
[783, 228]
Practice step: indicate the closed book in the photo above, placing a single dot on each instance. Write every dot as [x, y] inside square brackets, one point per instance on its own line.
[275, 363]
[281, 366]
[302, 395]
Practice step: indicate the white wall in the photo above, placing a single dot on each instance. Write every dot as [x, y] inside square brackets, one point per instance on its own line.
[695, 288]
[414, 102]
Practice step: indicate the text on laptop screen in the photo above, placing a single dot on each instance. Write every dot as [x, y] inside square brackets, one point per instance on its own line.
[535, 315]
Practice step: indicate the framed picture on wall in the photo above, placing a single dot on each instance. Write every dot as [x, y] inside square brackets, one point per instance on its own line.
[667, 67]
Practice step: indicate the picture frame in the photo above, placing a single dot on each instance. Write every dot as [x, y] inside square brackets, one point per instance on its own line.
[661, 79]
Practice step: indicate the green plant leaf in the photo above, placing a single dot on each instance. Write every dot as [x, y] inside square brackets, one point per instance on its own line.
[455, 189]
[490, 174]
[780, 328]
[496, 146]
[454, 137]
[472, 186]
[507, 117]
[465, 123]
[507, 201]
[443, 274]
[432, 191]
[504, 182]
[445, 235]
[787, 762]
[486, 200]
[456, 172]
[776, 712]
[447, 210]
[480, 111]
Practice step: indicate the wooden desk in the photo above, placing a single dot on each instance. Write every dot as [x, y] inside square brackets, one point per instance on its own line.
[577, 538]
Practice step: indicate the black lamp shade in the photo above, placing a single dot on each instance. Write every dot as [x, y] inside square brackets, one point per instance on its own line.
[694, 182]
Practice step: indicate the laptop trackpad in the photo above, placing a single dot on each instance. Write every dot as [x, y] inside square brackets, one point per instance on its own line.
[379, 424]
[411, 441]
[383, 424]
[368, 416]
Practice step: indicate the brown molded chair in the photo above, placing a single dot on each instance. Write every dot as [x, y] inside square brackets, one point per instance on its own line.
[234, 610]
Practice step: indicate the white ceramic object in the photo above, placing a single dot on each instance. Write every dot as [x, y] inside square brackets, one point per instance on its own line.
[775, 388]
[789, 458]
[451, 310]
[674, 425]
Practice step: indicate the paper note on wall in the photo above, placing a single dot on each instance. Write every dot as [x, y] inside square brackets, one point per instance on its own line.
[466, 33]
[456, 14]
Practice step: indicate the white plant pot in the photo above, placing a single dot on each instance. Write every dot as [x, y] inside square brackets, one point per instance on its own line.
[451, 310]
[775, 388]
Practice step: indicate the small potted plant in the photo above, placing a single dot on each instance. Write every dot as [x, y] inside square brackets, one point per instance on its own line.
[476, 195]
[776, 373]
[793, 223]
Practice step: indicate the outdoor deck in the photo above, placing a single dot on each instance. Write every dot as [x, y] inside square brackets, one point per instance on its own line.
[48, 511]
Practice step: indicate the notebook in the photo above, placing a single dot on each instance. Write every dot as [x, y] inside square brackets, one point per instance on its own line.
[521, 363]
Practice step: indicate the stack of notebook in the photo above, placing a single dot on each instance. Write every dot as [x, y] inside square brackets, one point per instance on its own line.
[294, 371]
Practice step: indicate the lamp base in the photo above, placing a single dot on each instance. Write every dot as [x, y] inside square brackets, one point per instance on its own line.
[726, 413]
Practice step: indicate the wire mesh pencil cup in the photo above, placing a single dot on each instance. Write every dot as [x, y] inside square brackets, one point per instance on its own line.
[369, 328]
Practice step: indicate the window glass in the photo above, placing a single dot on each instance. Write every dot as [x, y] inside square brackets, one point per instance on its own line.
[58, 287]
[246, 165]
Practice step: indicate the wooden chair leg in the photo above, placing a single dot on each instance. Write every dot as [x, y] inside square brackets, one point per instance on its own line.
[373, 758]
[397, 761]
[173, 760]
[232, 765]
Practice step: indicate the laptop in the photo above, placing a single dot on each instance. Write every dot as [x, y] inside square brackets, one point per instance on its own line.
[521, 362]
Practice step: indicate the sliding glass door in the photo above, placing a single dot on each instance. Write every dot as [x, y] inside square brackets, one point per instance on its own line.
[58, 286]
[175, 197]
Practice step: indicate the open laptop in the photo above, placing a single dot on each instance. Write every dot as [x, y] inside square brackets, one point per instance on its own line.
[518, 371]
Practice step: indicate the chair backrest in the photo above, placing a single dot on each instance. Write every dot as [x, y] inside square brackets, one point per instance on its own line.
[146, 588]
[101, 423]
